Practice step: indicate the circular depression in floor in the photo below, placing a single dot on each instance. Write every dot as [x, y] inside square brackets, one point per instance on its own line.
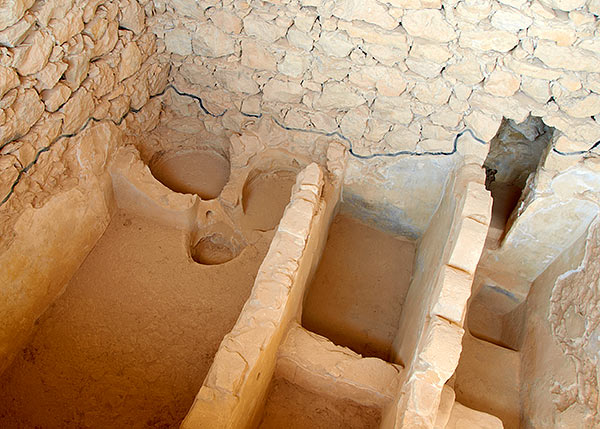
[265, 196]
[218, 245]
[200, 172]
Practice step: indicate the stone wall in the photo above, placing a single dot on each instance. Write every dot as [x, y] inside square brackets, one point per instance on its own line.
[71, 72]
[397, 78]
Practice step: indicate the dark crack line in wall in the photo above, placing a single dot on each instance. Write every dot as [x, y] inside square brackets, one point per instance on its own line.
[258, 116]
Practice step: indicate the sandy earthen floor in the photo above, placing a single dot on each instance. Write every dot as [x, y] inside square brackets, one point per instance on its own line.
[290, 406]
[132, 338]
[359, 288]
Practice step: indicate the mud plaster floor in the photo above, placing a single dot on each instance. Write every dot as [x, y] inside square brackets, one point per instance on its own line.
[132, 338]
[290, 406]
[357, 295]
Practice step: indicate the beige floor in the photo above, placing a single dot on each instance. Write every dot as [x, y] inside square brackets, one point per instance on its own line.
[357, 295]
[132, 338]
[290, 406]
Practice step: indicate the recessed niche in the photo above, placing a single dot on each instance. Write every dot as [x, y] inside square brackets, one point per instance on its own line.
[265, 196]
[192, 171]
[219, 245]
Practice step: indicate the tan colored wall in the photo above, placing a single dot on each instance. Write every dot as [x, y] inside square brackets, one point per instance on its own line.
[430, 331]
[235, 388]
[559, 384]
[70, 73]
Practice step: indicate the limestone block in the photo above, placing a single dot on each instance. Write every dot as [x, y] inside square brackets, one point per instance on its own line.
[583, 107]
[365, 10]
[509, 19]
[566, 5]
[32, 55]
[375, 35]
[452, 290]
[101, 79]
[538, 89]
[238, 81]
[446, 403]
[335, 43]
[25, 111]
[466, 251]
[338, 95]
[502, 83]
[517, 4]
[390, 83]
[492, 40]
[467, 71]
[560, 33]
[297, 219]
[473, 11]
[211, 42]
[428, 24]
[564, 144]
[299, 39]
[65, 27]
[424, 68]
[590, 45]
[49, 76]
[432, 92]
[385, 54]
[402, 139]
[568, 58]
[267, 31]
[528, 69]
[282, 91]
[227, 371]
[464, 417]
[15, 34]
[12, 10]
[55, 97]
[392, 109]
[485, 126]
[416, 4]
[226, 21]
[132, 16]
[354, 122]
[188, 8]
[257, 57]
[434, 52]
[107, 41]
[77, 110]
[445, 117]
[293, 64]
[131, 61]
[8, 80]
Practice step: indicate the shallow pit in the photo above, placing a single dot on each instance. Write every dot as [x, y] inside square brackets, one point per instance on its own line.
[294, 407]
[359, 288]
[192, 171]
[131, 340]
[218, 244]
[264, 197]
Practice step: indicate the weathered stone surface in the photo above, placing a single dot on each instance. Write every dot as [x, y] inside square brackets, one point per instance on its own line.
[15, 34]
[211, 42]
[178, 41]
[354, 122]
[8, 80]
[257, 57]
[132, 16]
[335, 43]
[493, 40]
[393, 110]
[372, 34]
[55, 97]
[485, 126]
[21, 116]
[226, 21]
[32, 56]
[531, 70]
[299, 39]
[337, 95]
[428, 24]
[509, 19]
[566, 5]
[267, 31]
[560, 33]
[538, 89]
[566, 57]
[237, 81]
[293, 64]
[77, 111]
[467, 71]
[283, 91]
[367, 10]
[188, 8]
[131, 61]
[12, 10]
[64, 28]
[502, 83]
[432, 92]
[580, 107]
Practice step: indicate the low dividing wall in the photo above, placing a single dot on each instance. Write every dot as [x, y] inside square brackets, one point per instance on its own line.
[431, 327]
[235, 388]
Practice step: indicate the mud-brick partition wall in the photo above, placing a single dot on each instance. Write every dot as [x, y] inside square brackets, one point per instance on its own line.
[235, 389]
[429, 337]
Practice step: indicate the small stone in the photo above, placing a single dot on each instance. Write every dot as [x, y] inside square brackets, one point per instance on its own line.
[485, 126]
[257, 57]
[226, 21]
[502, 83]
[467, 71]
[131, 61]
[299, 39]
[335, 43]
[13, 10]
[510, 20]
[282, 91]
[267, 31]
[428, 24]
[55, 97]
[432, 92]
[354, 122]
[580, 107]
[66, 27]
[8, 80]
[50, 75]
[187, 8]
[237, 81]
[132, 16]
[567, 58]
[293, 64]
[77, 110]
[32, 56]
[566, 5]
[391, 83]
[211, 42]
[525, 68]
[178, 41]
[338, 95]
[538, 89]
[562, 34]
[15, 34]
[365, 10]
[493, 40]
